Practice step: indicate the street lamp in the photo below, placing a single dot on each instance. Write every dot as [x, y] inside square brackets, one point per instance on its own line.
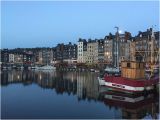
[120, 31]
[117, 28]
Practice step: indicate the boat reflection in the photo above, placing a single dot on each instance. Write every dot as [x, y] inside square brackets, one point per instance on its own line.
[133, 106]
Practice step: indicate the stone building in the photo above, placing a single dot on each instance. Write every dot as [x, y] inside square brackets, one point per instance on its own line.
[11, 58]
[4, 55]
[65, 53]
[108, 48]
[143, 44]
[101, 58]
[82, 44]
[92, 52]
[70, 53]
[45, 56]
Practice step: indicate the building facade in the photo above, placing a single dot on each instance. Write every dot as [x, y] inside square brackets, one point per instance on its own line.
[80, 50]
[70, 53]
[145, 46]
[92, 52]
[11, 58]
[108, 48]
[101, 59]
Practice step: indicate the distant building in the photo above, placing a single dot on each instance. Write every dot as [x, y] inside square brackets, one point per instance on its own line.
[124, 46]
[92, 52]
[59, 52]
[108, 48]
[80, 50]
[101, 59]
[142, 46]
[28, 58]
[45, 56]
[11, 58]
[4, 55]
[65, 53]
[123, 41]
[54, 55]
[18, 58]
[70, 53]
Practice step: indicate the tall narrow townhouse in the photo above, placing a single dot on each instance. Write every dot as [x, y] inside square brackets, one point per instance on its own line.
[108, 48]
[92, 52]
[80, 50]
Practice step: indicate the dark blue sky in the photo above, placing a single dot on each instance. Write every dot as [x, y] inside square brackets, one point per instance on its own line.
[44, 24]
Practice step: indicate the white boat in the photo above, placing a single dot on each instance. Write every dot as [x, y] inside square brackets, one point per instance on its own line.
[92, 70]
[101, 81]
[112, 70]
[47, 67]
[154, 70]
[96, 71]
[33, 67]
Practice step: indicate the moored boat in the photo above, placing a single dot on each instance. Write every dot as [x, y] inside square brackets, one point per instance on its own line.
[132, 77]
[92, 70]
[47, 67]
[97, 71]
[131, 80]
[129, 85]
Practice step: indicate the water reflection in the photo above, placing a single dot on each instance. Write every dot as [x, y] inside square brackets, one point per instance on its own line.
[84, 85]
[133, 106]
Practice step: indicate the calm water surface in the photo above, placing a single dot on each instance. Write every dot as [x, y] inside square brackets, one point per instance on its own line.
[45, 94]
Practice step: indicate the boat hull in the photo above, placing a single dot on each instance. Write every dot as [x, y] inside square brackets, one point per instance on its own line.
[122, 84]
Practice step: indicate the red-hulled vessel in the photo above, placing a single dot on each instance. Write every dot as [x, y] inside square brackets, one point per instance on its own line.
[129, 85]
[132, 77]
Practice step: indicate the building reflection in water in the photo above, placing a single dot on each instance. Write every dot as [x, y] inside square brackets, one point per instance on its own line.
[82, 84]
[85, 86]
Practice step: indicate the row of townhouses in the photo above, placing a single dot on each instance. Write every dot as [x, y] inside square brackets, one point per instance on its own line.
[97, 51]
[42, 56]
[102, 51]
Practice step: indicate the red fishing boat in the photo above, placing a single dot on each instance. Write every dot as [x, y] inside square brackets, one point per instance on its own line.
[132, 78]
[122, 84]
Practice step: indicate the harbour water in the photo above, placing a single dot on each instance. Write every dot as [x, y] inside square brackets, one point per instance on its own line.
[71, 95]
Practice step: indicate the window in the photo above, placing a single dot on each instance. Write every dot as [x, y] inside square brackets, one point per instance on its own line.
[128, 65]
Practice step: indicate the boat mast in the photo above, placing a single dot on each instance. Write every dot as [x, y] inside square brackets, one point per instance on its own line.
[117, 48]
[152, 47]
[152, 52]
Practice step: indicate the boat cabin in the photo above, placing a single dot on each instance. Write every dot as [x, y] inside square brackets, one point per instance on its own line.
[133, 69]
